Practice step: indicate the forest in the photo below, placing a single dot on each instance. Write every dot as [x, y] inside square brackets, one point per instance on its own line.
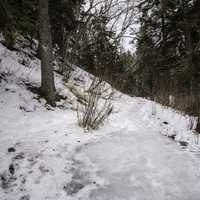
[163, 66]
[112, 66]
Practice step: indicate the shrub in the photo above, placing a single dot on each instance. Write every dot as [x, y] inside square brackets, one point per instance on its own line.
[97, 106]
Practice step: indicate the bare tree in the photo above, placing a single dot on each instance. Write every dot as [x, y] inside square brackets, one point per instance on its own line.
[120, 14]
[45, 47]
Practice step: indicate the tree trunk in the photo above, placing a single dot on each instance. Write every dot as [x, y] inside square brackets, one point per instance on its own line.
[45, 47]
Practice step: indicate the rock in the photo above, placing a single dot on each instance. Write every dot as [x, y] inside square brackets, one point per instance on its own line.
[11, 149]
[25, 197]
[11, 169]
[183, 143]
[73, 187]
[19, 156]
[172, 137]
[4, 181]
[165, 123]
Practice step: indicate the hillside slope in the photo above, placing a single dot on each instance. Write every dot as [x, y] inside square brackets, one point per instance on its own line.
[44, 155]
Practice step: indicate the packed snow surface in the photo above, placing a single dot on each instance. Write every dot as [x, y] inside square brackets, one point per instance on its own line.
[44, 155]
[141, 164]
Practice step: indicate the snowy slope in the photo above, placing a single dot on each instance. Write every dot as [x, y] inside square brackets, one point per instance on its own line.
[41, 139]
[138, 163]
[44, 155]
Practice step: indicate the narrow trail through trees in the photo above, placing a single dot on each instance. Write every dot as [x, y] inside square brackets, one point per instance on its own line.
[142, 164]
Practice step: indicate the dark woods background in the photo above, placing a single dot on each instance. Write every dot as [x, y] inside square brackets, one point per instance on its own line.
[165, 66]
[169, 53]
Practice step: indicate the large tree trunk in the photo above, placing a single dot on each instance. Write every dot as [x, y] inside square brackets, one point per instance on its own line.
[45, 48]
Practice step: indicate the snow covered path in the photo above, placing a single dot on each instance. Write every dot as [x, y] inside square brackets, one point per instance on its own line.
[44, 155]
[142, 164]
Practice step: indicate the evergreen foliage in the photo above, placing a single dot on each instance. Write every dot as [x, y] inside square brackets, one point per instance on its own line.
[168, 53]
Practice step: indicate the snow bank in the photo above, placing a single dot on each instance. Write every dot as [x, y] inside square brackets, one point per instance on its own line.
[172, 123]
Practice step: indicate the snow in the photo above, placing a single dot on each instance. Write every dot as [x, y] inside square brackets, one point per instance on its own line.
[139, 163]
[139, 169]
[128, 158]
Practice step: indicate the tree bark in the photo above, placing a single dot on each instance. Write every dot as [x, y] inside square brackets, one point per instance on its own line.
[45, 47]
